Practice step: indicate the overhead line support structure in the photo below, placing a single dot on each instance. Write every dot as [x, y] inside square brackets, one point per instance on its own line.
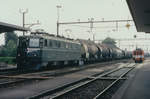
[85, 22]
[127, 39]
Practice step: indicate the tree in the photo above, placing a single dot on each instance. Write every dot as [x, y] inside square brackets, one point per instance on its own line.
[9, 50]
[109, 41]
[10, 36]
[10, 47]
[2, 53]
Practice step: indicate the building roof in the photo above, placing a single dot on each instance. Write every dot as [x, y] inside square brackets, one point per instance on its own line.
[140, 10]
[5, 27]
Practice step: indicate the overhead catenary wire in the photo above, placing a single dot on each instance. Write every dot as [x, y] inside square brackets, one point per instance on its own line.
[98, 27]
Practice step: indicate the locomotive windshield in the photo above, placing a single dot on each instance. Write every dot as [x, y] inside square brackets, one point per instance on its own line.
[34, 42]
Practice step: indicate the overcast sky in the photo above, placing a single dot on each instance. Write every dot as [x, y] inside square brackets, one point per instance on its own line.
[46, 12]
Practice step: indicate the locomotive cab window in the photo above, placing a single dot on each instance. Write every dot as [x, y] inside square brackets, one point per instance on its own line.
[34, 42]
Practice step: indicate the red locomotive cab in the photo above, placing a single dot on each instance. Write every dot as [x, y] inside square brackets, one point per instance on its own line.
[138, 55]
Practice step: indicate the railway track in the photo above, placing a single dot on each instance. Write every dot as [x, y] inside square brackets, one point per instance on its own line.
[11, 80]
[99, 86]
[7, 71]
[57, 72]
[7, 82]
[15, 78]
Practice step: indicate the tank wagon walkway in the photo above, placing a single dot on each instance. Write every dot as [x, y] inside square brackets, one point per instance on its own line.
[138, 85]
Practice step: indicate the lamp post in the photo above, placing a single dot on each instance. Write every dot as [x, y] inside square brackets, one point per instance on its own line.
[23, 17]
[58, 16]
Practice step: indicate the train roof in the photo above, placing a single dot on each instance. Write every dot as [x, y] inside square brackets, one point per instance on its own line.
[111, 46]
[50, 36]
[89, 42]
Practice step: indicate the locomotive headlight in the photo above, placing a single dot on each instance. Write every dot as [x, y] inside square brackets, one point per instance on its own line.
[34, 54]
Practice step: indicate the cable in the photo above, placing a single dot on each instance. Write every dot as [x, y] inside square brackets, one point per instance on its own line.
[100, 27]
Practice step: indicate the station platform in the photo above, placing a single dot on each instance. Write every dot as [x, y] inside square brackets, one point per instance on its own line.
[138, 84]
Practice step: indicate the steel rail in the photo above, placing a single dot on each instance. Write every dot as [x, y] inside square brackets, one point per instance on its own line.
[67, 85]
[94, 79]
[56, 89]
[17, 81]
[11, 82]
[75, 85]
[113, 83]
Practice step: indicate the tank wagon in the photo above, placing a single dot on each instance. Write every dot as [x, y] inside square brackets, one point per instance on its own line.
[42, 49]
[89, 51]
